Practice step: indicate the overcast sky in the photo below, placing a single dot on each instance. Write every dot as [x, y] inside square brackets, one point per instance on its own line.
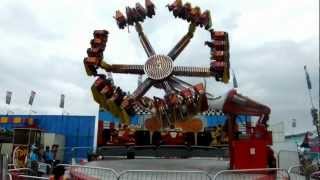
[43, 44]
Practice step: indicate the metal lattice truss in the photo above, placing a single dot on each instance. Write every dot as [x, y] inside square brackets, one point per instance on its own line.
[182, 99]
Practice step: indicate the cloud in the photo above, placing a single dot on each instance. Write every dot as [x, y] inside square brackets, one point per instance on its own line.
[19, 20]
[276, 77]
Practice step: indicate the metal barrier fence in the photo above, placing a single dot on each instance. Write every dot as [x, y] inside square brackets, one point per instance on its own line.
[254, 174]
[315, 175]
[163, 175]
[25, 177]
[3, 166]
[23, 174]
[286, 159]
[300, 172]
[80, 172]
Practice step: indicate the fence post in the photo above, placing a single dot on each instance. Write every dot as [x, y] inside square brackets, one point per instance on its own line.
[73, 156]
[278, 159]
[3, 166]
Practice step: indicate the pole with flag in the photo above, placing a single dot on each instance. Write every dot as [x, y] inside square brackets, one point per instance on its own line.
[8, 100]
[31, 99]
[62, 97]
[61, 104]
[8, 97]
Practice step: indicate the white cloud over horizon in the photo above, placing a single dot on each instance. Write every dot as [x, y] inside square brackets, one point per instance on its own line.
[44, 42]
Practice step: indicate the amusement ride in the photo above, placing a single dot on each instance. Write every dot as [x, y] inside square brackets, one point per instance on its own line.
[182, 100]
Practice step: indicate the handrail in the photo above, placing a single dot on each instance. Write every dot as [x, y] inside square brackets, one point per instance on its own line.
[167, 171]
[19, 169]
[33, 177]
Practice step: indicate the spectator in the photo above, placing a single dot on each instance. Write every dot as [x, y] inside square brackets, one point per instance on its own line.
[48, 155]
[58, 173]
[33, 159]
[33, 154]
[41, 153]
[54, 150]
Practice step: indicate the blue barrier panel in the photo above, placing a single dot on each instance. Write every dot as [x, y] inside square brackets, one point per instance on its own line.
[78, 130]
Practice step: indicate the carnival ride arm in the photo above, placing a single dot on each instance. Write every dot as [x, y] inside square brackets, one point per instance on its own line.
[144, 40]
[236, 104]
[182, 44]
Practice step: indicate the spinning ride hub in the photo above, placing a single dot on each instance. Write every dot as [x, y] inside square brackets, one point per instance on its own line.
[158, 67]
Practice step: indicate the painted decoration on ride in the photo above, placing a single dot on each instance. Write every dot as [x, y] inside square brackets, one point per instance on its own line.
[16, 120]
[20, 154]
[4, 120]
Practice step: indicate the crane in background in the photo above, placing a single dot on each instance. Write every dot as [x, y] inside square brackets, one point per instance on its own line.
[314, 111]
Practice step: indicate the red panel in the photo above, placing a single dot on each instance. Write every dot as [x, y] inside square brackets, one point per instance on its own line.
[269, 138]
[101, 140]
[249, 154]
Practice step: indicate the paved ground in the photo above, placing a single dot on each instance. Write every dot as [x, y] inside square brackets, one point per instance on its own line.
[208, 165]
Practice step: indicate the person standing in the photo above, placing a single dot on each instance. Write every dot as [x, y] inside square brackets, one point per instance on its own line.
[48, 155]
[33, 159]
[58, 173]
